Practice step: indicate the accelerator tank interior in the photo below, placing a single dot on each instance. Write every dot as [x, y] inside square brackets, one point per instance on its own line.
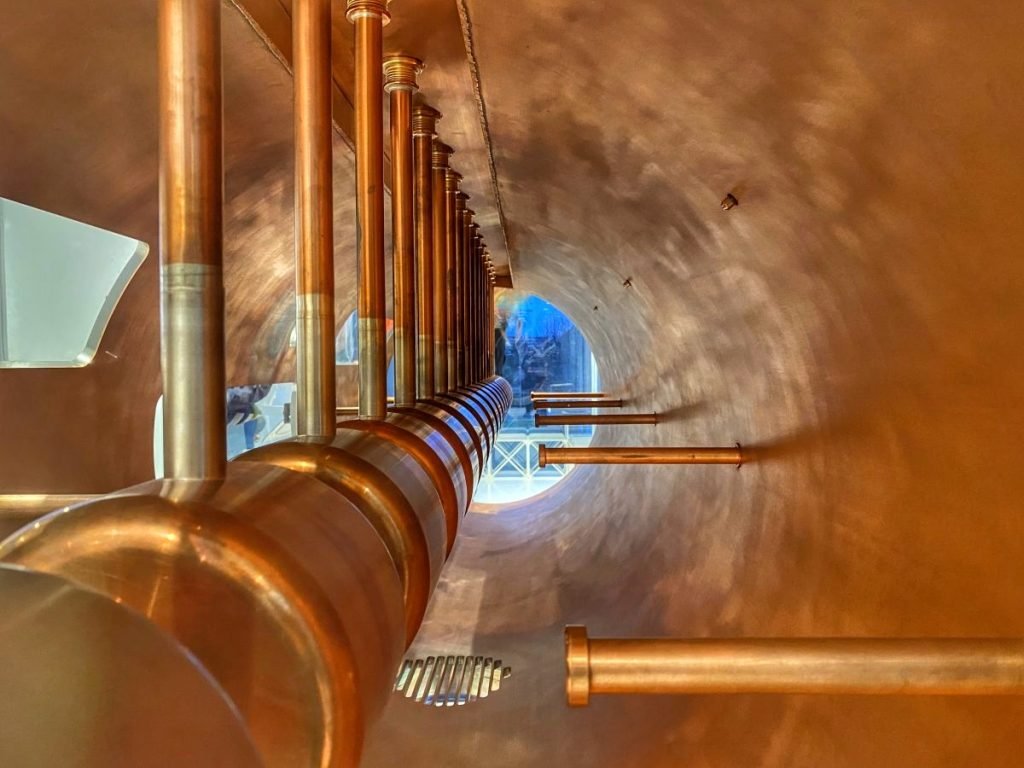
[550, 383]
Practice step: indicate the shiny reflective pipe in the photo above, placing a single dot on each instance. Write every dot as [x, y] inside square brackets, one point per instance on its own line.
[567, 403]
[888, 666]
[547, 456]
[565, 420]
[566, 395]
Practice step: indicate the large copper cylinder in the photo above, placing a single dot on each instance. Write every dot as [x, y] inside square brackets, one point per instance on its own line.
[400, 83]
[424, 131]
[369, 17]
[314, 220]
[889, 666]
[616, 455]
[191, 238]
[276, 585]
[442, 224]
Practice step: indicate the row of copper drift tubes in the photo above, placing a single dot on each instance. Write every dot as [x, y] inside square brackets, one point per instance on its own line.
[297, 575]
[881, 666]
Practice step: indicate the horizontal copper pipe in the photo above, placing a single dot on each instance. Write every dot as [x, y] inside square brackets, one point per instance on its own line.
[888, 666]
[548, 455]
[567, 403]
[566, 395]
[571, 420]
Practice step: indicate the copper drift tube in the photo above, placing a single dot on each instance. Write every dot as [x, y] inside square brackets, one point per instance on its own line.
[888, 666]
[567, 403]
[424, 129]
[191, 239]
[548, 455]
[314, 220]
[442, 232]
[400, 83]
[567, 420]
[369, 17]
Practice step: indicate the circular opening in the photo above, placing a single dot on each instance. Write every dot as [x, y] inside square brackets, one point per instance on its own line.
[537, 349]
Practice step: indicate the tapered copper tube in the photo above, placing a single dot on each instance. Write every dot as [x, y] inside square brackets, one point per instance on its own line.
[604, 402]
[314, 220]
[400, 83]
[191, 239]
[424, 130]
[442, 232]
[457, 288]
[548, 455]
[888, 666]
[566, 395]
[369, 17]
[566, 420]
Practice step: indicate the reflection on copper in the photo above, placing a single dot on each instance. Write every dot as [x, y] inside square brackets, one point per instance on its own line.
[886, 666]
[369, 17]
[549, 456]
[400, 83]
[567, 420]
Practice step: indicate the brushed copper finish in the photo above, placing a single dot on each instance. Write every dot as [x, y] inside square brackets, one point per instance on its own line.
[314, 220]
[424, 133]
[620, 455]
[369, 17]
[567, 403]
[279, 587]
[885, 666]
[442, 230]
[562, 420]
[400, 83]
[565, 395]
[191, 238]
[157, 708]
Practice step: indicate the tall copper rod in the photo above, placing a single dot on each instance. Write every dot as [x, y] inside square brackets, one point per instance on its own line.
[400, 83]
[442, 232]
[477, 297]
[548, 456]
[464, 349]
[424, 129]
[452, 179]
[369, 17]
[314, 220]
[471, 296]
[570, 420]
[567, 395]
[191, 239]
[457, 288]
[491, 322]
[887, 666]
[602, 402]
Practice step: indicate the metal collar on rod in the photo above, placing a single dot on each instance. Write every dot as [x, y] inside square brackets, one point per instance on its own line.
[314, 220]
[191, 240]
[369, 17]
[886, 666]
[424, 131]
[400, 83]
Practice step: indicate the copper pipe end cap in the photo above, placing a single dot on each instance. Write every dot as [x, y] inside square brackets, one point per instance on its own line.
[442, 153]
[424, 122]
[400, 72]
[542, 459]
[577, 666]
[361, 9]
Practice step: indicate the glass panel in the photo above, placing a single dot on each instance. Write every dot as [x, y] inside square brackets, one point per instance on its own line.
[59, 283]
[537, 348]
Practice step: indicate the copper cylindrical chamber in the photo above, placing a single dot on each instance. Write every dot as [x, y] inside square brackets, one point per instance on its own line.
[888, 666]
[442, 232]
[424, 131]
[565, 395]
[314, 220]
[606, 402]
[191, 239]
[369, 17]
[548, 455]
[400, 83]
[565, 420]
[274, 583]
